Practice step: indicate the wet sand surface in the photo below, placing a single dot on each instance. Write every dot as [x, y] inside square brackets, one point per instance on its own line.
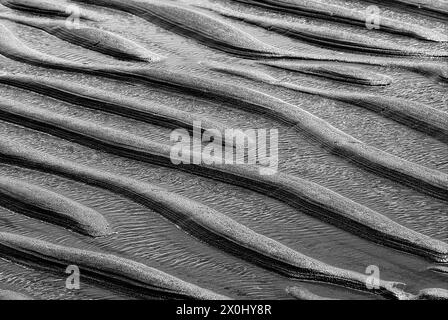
[318, 91]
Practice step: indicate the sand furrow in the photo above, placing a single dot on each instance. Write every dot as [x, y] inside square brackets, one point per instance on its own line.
[201, 221]
[419, 116]
[14, 48]
[91, 38]
[232, 57]
[334, 71]
[431, 294]
[323, 203]
[435, 8]
[320, 9]
[335, 140]
[127, 273]
[325, 36]
[439, 268]
[53, 8]
[193, 23]
[97, 99]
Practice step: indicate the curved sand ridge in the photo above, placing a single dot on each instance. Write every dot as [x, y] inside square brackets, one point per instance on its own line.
[131, 274]
[201, 221]
[46, 205]
[431, 294]
[129, 143]
[325, 36]
[327, 205]
[196, 24]
[440, 269]
[333, 71]
[421, 6]
[14, 48]
[327, 70]
[93, 98]
[55, 8]
[320, 9]
[103, 41]
[301, 293]
[415, 115]
[337, 141]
